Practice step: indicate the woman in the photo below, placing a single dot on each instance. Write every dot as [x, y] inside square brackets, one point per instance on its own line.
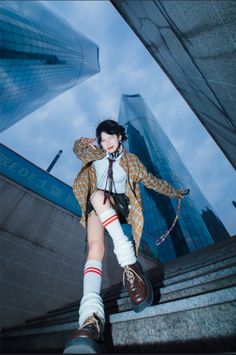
[108, 193]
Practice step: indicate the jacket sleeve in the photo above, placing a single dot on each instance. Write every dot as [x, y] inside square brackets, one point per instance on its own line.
[81, 149]
[158, 185]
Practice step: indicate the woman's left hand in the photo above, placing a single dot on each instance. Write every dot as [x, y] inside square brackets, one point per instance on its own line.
[182, 193]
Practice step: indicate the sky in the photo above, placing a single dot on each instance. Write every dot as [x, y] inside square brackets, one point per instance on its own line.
[126, 68]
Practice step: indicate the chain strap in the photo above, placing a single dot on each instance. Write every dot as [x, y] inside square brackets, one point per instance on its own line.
[162, 238]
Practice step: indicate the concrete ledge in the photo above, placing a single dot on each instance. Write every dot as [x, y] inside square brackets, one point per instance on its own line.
[41, 330]
[209, 299]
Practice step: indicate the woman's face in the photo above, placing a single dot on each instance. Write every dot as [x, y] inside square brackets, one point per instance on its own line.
[110, 142]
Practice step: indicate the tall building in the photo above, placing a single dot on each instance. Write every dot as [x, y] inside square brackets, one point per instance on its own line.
[194, 43]
[198, 224]
[41, 56]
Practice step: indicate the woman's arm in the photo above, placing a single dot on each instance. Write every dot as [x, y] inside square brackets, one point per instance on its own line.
[82, 146]
[158, 185]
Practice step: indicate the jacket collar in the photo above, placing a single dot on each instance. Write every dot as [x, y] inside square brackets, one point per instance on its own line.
[100, 153]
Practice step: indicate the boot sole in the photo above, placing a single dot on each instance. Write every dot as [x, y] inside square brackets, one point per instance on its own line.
[140, 307]
[82, 346]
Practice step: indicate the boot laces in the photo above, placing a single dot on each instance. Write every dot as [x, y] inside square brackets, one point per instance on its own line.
[92, 320]
[130, 275]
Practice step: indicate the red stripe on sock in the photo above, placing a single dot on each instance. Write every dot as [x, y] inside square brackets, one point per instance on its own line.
[106, 220]
[110, 220]
[94, 270]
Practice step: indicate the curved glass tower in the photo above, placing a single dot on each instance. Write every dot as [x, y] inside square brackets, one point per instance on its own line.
[41, 56]
[198, 225]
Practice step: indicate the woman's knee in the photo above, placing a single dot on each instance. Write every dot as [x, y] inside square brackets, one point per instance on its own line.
[97, 201]
[97, 196]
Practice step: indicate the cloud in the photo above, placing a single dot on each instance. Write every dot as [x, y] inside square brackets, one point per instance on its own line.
[126, 67]
[52, 127]
[89, 17]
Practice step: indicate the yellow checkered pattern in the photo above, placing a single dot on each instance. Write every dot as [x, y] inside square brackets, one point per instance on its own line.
[85, 184]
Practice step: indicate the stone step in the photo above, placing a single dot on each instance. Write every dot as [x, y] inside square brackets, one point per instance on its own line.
[217, 250]
[50, 341]
[221, 266]
[165, 277]
[201, 270]
[205, 275]
[187, 278]
[200, 285]
[190, 324]
[208, 256]
[121, 294]
[210, 262]
[177, 268]
[213, 281]
[183, 325]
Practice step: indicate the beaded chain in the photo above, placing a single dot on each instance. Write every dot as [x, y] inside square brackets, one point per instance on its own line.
[162, 238]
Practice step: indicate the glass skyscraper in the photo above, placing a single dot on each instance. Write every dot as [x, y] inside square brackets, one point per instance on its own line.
[41, 56]
[194, 44]
[198, 226]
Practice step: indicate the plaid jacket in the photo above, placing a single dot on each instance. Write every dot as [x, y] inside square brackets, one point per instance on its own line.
[85, 184]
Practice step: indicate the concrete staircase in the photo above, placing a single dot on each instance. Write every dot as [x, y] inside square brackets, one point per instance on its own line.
[193, 311]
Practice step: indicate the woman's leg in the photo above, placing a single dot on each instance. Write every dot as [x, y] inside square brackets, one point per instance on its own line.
[91, 301]
[95, 234]
[87, 338]
[139, 288]
[123, 248]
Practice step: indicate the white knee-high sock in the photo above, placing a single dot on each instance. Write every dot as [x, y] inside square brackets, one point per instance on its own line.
[92, 301]
[92, 277]
[123, 248]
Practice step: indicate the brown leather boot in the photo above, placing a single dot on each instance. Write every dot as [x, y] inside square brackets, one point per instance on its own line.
[87, 339]
[139, 288]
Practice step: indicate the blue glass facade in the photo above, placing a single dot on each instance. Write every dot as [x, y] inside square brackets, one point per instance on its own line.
[41, 56]
[197, 225]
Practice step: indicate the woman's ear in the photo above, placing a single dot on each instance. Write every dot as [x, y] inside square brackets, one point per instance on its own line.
[120, 138]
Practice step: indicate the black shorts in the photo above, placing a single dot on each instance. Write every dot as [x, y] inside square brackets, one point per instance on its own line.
[121, 206]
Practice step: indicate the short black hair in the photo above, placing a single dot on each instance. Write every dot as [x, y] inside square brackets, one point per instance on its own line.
[110, 127]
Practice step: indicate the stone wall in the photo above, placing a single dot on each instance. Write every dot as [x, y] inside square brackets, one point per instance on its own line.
[42, 255]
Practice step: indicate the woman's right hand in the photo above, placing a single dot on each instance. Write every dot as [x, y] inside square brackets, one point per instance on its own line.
[88, 141]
